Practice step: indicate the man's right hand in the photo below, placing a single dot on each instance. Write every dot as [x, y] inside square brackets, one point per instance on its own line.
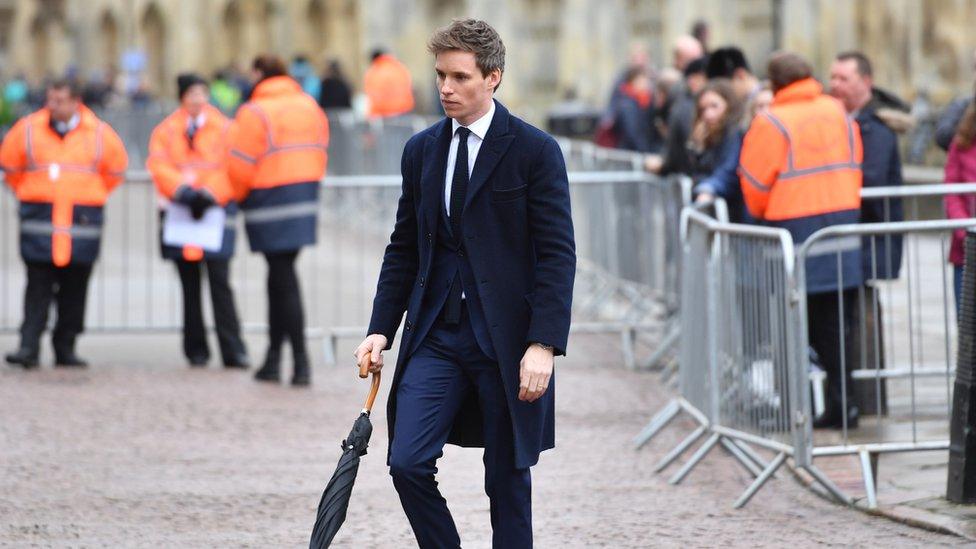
[373, 346]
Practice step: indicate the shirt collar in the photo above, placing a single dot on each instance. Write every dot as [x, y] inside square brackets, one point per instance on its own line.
[480, 126]
[200, 119]
[71, 124]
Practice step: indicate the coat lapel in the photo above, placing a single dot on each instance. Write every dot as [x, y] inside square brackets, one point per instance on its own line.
[496, 144]
[433, 174]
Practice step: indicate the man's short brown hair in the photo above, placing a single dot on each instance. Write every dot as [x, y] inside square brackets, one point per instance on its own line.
[785, 68]
[863, 63]
[474, 36]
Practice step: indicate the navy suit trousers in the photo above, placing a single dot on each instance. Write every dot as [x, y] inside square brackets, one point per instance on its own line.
[446, 369]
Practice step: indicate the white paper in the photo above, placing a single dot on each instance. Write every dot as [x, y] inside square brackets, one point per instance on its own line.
[180, 229]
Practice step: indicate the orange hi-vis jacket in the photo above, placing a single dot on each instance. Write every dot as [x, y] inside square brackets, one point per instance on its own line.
[175, 162]
[62, 184]
[388, 86]
[277, 160]
[800, 169]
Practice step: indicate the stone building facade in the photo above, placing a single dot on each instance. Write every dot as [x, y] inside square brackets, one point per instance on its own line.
[553, 45]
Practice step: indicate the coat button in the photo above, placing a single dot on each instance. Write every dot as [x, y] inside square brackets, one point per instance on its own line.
[421, 282]
[461, 252]
[409, 325]
[429, 236]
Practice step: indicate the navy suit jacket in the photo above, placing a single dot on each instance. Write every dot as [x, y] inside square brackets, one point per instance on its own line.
[518, 235]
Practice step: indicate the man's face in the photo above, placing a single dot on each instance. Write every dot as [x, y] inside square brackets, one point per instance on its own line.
[695, 82]
[847, 85]
[61, 104]
[465, 93]
[195, 99]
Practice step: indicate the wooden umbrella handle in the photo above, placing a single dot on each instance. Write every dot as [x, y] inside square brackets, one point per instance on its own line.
[374, 388]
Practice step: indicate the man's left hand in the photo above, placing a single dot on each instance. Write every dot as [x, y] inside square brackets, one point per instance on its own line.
[535, 372]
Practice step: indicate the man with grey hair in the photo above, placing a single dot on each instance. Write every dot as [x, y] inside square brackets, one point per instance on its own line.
[482, 260]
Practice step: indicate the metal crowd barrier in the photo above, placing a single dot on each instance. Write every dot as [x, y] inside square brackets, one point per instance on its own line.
[626, 281]
[747, 377]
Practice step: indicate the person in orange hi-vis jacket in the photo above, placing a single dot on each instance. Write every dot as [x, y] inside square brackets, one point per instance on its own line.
[188, 163]
[61, 162]
[387, 86]
[800, 170]
[277, 161]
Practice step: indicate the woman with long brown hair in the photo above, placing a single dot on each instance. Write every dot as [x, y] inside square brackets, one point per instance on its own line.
[714, 146]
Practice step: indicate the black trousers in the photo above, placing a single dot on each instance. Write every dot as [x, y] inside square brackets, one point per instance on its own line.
[68, 288]
[225, 312]
[831, 340]
[286, 318]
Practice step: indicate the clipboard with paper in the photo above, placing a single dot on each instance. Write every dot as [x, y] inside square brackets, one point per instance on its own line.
[180, 229]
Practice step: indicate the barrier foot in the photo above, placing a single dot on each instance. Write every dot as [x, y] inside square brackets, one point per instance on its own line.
[751, 454]
[828, 484]
[760, 480]
[669, 340]
[699, 455]
[627, 337]
[867, 471]
[657, 423]
[676, 452]
[739, 455]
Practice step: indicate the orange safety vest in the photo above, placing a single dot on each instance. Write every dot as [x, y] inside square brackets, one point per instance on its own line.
[279, 137]
[388, 86]
[800, 169]
[801, 158]
[174, 163]
[62, 184]
[277, 160]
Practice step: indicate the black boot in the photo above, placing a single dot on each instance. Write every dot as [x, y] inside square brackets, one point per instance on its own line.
[24, 357]
[271, 371]
[302, 375]
[66, 358]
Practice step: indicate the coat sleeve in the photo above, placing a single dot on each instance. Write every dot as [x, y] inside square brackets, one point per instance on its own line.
[248, 143]
[763, 152]
[724, 180]
[114, 159]
[945, 128]
[955, 204]
[400, 261]
[551, 230]
[13, 154]
[165, 174]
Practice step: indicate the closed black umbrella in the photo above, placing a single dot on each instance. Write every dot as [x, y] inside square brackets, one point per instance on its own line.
[335, 498]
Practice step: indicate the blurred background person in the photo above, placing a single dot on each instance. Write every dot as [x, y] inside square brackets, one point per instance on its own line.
[731, 63]
[188, 163]
[633, 113]
[277, 161]
[225, 94]
[61, 162]
[686, 49]
[960, 167]
[800, 170]
[852, 82]
[388, 86]
[713, 150]
[304, 73]
[336, 93]
[681, 114]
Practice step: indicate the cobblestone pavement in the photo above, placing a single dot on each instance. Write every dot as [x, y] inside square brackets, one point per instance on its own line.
[141, 451]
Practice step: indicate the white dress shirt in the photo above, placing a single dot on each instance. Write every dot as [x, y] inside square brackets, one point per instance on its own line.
[479, 128]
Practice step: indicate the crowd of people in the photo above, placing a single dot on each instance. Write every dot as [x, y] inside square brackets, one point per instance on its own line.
[791, 152]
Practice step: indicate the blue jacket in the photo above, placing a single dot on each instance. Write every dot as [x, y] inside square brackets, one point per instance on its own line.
[720, 176]
[882, 168]
[518, 235]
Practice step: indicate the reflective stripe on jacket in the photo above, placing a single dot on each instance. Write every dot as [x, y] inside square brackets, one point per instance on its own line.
[800, 169]
[62, 184]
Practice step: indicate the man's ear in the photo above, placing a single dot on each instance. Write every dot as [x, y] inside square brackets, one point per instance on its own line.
[494, 78]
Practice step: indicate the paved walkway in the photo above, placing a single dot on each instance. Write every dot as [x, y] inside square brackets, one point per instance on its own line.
[141, 451]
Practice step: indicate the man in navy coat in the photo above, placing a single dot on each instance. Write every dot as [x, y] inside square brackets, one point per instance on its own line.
[482, 260]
